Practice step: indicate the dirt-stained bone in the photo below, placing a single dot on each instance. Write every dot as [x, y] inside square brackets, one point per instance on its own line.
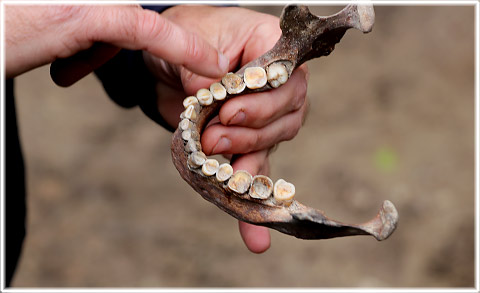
[304, 36]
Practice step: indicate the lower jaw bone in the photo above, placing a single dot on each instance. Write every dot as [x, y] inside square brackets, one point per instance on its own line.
[240, 182]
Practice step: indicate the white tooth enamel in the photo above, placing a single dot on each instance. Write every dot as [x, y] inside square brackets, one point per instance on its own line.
[277, 74]
[190, 134]
[218, 91]
[193, 146]
[224, 172]
[185, 124]
[261, 188]
[189, 113]
[210, 167]
[233, 83]
[190, 101]
[283, 192]
[255, 77]
[204, 97]
[196, 159]
[240, 181]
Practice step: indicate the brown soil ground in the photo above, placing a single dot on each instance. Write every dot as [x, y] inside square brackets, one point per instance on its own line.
[392, 117]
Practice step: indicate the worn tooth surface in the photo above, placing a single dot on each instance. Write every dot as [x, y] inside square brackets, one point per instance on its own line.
[225, 171]
[190, 113]
[233, 83]
[185, 124]
[283, 192]
[190, 134]
[277, 74]
[261, 188]
[204, 97]
[192, 100]
[240, 181]
[255, 77]
[218, 91]
[196, 159]
[210, 167]
[193, 146]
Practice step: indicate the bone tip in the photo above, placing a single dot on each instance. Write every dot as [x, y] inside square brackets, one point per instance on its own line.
[389, 218]
[366, 16]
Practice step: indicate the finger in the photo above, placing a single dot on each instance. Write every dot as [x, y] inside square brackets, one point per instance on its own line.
[139, 29]
[67, 71]
[220, 139]
[259, 109]
[256, 238]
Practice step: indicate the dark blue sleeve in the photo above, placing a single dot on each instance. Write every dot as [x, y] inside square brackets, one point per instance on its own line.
[128, 82]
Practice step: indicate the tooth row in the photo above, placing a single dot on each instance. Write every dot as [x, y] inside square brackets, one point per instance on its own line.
[241, 182]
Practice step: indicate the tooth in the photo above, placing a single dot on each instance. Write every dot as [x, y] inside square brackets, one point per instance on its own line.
[255, 77]
[189, 113]
[210, 167]
[283, 192]
[240, 181]
[196, 159]
[204, 97]
[277, 74]
[224, 172]
[218, 91]
[190, 134]
[233, 83]
[185, 124]
[261, 188]
[190, 101]
[193, 146]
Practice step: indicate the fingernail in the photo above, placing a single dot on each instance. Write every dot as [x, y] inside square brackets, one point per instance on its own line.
[237, 119]
[223, 144]
[223, 62]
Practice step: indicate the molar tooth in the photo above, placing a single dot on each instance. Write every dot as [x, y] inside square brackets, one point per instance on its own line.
[233, 83]
[240, 181]
[261, 188]
[210, 167]
[283, 192]
[224, 172]
[204, 97]
[277, 74]
[193, 146]
[192, 100]
[196, 159]
[185, 124]
[255, 77]
[190, 113]
[218, 91]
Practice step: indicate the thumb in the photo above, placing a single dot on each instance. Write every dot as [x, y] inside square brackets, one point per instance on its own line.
[137, 29]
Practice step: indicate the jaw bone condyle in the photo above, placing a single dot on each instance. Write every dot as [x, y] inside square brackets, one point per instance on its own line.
[255, 199]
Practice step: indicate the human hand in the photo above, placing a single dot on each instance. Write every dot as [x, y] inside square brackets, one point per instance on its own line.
[88, 36]
[249, 125]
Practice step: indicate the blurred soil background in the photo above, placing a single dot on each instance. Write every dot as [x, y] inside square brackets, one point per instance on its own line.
[392, 117]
